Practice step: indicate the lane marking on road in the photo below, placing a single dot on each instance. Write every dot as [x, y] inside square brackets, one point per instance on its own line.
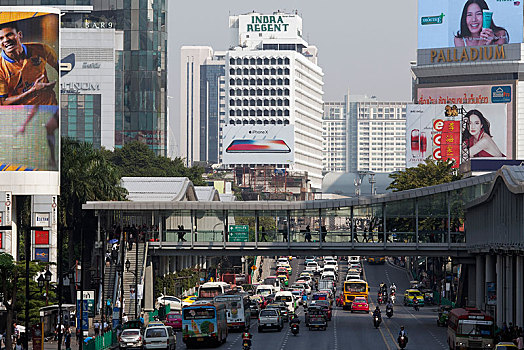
[415, 317]
[335, 329]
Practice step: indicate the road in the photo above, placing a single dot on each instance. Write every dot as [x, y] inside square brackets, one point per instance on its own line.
[355, 331]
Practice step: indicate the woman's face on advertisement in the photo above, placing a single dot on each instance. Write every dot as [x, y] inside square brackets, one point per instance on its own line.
[474, 125]
[474, 18]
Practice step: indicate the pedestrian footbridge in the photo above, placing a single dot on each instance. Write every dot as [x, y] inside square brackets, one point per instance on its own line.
[427, 221]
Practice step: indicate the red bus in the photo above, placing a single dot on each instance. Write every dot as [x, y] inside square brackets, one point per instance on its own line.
[470, 328]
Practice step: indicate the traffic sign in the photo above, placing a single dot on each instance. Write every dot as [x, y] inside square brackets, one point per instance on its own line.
[238, 233]
[253, 267]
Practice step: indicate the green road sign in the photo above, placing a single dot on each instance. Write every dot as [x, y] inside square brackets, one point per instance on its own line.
[238, 233]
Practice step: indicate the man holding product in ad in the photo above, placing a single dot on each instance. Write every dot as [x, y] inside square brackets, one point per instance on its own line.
[477, 27]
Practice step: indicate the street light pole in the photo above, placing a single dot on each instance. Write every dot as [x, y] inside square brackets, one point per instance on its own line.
[136, 275]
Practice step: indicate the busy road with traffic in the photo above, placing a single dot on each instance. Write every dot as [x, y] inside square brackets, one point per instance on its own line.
[346, 329]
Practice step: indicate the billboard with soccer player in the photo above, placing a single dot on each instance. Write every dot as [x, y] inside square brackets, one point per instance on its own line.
[29, 99]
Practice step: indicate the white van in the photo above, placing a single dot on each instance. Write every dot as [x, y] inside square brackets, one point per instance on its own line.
[288, 298]
[159, 337]
[353, 259]
[265, 290]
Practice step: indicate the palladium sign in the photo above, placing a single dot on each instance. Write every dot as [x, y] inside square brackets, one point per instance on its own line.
[267, 24]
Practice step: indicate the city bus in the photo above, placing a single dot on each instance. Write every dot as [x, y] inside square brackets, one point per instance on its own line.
[470, 328]
[238, 313]
[209, 290]
[354, 288]
[204, 323]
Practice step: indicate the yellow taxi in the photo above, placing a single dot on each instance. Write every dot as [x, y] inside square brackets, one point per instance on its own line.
[411, 294]
[505, 346]
[284, 278]
[189, 300]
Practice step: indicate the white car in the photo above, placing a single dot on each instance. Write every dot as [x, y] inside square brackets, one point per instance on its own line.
[307, 287]
[352, 276]
[312, 267]
[174, 302]
[333, 263]
[353, 259]
[330, 268]
[328, 275]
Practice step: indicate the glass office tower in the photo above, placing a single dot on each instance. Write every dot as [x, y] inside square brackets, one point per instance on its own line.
[141, 75]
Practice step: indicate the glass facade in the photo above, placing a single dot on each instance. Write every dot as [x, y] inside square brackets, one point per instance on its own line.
[81, 118]
[210, 111]
[141, 76]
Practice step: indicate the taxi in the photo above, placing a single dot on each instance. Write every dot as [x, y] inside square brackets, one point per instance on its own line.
[282, 271]
[284, 279]
[505, 345]
[360, 304]
[189, 300]
[411, 294]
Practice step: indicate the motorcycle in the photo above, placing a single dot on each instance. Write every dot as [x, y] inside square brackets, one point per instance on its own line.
[415, 306]
[380, 300]
[246, 345]
[389, 312]
[402, 341]
[393, 298]
[294, 328]
[376, 321]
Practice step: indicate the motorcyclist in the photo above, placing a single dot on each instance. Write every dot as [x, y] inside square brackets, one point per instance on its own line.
[377, 313]
[246, 338]
[389, 305]
[402, 333]
[393, 288]
[415, 303]
[382, 286]
[294, 319]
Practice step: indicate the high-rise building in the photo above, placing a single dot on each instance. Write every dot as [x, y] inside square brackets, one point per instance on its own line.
[364, 134]
[88, 86]
[202, 104]
[141, 76]
[274, 96]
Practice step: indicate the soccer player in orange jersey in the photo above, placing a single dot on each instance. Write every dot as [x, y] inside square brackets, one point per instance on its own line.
[23, 78]
[23, 74]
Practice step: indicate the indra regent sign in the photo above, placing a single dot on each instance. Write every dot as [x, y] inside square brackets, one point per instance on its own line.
[267, 24]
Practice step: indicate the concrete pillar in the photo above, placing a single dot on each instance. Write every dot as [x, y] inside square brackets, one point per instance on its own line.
[508, 284]
[172, 264]
[480, 281]
[471, 281]
[519, 290]
[500, 289]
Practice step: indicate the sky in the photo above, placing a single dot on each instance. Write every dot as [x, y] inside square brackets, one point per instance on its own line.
[364, 46]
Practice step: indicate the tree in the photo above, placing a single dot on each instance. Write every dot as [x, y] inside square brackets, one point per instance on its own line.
[137, 159]
[425, 174]
[12, 275]
[86, 175]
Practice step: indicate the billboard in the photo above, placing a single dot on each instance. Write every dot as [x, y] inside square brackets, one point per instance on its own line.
[441, 132]
[479, 94]
[29, 96]
[258, 144]
[452, 23]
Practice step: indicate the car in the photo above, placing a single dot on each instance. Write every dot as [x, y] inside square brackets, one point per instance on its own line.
[284, 280]
[174, 320]
[320, 296]
[130, 338]
[331, 263]
[189, 300]
[352, 276]
[270, 318]
[155, 324]
[282, 271]
[306, 285]
[316, 318]
[505, 345]
[360, 304]
[284, 312]
[326, 307]
[330, 269]
[159, 337]
[174, 302]
[313, 267]
[305, 274]
[328, 275]
[411, 294]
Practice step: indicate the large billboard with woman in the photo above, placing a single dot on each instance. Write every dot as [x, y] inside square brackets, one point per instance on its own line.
[29, 99]
[444, 131]
[461, 23]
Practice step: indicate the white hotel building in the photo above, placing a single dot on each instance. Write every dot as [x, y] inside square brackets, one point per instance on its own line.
[274, 85]
[364, 134]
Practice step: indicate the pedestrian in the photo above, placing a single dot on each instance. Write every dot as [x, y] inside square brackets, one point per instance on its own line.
[307, 235]
[18, 345]
[323, 230]
[97, 328]
[264, 237]
[67, 339]
[124, 318]
[106, 326]
[181, 233]
[519, 341]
